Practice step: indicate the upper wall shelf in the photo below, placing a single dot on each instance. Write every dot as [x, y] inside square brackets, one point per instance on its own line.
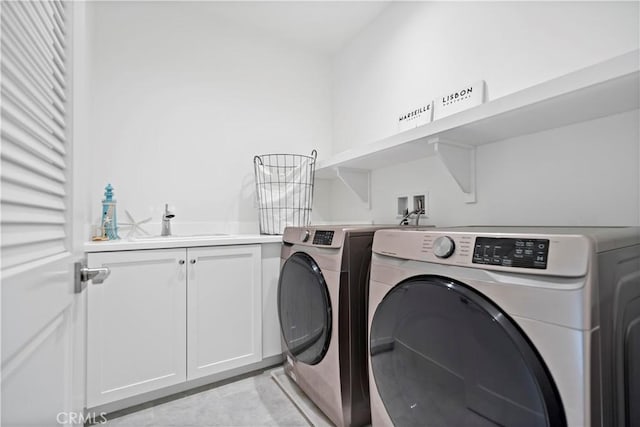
[604, 89]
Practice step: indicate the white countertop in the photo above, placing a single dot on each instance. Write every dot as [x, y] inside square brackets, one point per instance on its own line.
[180, 242]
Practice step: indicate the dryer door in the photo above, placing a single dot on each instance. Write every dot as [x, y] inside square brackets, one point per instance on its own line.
[304, 309]
[444, 355]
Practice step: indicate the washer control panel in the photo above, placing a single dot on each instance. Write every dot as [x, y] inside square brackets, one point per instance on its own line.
[511, 252]
[323, 237]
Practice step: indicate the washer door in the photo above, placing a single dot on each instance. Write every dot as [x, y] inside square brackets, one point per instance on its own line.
[304, 309]
[444, 355]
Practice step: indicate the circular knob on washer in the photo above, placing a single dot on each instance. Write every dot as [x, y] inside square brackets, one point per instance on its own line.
[305, 235]
[443, 247]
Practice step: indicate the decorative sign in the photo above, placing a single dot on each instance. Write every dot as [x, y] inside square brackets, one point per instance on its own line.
[416, 117]
[458, 100]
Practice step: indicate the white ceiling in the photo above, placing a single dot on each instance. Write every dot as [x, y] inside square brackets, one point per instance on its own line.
[324, 26]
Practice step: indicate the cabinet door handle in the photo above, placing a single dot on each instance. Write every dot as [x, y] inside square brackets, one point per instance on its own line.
[193, 261]
[181, 262]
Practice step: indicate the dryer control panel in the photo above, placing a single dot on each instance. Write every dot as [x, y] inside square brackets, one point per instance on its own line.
[323, 237]
[510, 252]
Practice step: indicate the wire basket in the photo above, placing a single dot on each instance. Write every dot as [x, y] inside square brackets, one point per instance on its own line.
[284, 187]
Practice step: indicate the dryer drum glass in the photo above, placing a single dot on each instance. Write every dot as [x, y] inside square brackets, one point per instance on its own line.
[304, 309]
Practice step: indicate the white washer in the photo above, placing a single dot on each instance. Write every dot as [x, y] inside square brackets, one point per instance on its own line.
[511, 326]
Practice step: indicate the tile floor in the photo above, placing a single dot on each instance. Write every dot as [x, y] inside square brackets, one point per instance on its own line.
[255, 401]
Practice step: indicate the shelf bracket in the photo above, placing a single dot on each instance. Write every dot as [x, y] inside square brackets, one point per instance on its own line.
[358, 181]
[460, 161]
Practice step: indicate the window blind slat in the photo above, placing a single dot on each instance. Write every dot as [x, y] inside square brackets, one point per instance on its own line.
[31, 161]
[16, 255]
[59, 84]
[18, 195]
[57, 28]
[41, 27]
[24, 139]
[60, 7]
[14, 214]
[15, 70]
[57, 16]
[21, 176]
[13, 115]
[25, 36]
[11, 38]
[44, 26]
[15, 235]
[47, 17]
[28, 34]
[59, 65]
[58, 47]
[47, 20]
[29, 242]
[18, 98]
[59, 35]
[33, 171]
[20, 86]
[45, 36]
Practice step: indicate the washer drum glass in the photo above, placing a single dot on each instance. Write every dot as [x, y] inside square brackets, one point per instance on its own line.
[444, 355]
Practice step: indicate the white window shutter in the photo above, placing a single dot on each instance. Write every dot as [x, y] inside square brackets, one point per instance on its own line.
[33, 192]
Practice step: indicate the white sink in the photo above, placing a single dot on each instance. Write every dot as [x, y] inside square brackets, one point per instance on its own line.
[182, 237]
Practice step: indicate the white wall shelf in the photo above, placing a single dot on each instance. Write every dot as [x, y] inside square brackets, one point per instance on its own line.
[601, 90]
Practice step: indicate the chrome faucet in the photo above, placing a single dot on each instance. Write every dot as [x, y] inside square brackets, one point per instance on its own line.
[166, 221]
[417, 212]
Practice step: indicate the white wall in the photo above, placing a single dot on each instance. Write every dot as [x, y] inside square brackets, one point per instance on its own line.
[586, 174]
[181, 102]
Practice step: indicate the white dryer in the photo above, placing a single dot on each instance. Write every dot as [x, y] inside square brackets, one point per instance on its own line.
[483, 326]
[322, 307]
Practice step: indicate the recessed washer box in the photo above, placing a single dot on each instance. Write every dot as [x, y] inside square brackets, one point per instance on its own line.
[402, 206]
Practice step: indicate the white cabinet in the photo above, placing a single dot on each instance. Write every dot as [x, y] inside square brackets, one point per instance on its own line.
[167, 316]
[224, 315]
[136, 324]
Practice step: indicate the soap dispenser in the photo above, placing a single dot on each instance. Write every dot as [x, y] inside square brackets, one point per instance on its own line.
[109, 220]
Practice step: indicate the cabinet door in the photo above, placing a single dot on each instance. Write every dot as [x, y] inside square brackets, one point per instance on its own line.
[136, 324]
[224, 309]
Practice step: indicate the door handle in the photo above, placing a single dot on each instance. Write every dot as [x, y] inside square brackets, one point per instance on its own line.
[83, 274]
[96, 275]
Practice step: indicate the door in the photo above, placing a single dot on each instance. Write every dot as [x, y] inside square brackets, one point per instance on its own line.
[224, 306]
[442, 352]
[304, 309]
[41, 365]
[136, 324]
